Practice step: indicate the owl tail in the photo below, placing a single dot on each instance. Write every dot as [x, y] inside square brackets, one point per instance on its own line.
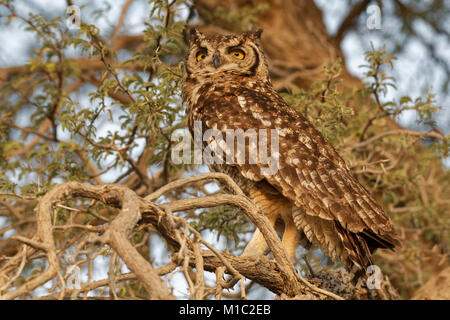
[359, 248]
[353, 249]
[357, 255]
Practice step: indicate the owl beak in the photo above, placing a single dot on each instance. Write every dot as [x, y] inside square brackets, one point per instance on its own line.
[216, 60]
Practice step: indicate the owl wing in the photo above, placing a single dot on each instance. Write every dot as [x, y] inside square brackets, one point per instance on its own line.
[310, 172]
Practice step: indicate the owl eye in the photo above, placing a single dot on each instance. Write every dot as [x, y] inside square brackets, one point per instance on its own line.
[200, 55]
[238, 54]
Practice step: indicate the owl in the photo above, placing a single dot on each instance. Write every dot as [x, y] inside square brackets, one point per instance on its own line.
[226, 86]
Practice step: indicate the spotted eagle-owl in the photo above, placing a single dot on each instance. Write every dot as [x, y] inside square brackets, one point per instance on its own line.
[227, 86]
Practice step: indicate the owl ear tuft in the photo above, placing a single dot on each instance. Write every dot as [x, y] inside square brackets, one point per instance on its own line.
[258, 33]
[254, 35]
[194, 34]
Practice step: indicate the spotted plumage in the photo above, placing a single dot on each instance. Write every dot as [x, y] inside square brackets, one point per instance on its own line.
[227, 87]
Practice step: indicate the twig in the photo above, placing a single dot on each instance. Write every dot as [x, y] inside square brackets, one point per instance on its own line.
[181, 182]
[19, 270]
[394, 132]
[30, 242]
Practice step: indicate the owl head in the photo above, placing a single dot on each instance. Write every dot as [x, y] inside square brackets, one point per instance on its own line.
[226, 56]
